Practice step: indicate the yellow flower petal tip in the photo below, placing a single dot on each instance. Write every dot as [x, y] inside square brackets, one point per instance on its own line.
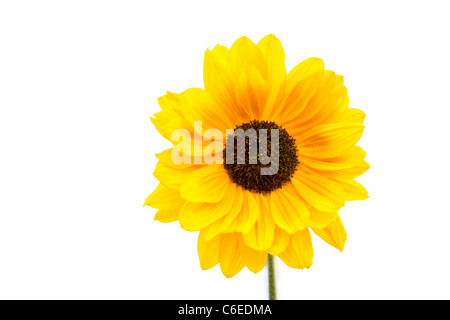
[222, 176]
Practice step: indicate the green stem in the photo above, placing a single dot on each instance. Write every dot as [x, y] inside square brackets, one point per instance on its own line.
[272, 282]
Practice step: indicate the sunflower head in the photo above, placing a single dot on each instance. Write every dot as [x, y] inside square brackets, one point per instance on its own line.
[260, 157]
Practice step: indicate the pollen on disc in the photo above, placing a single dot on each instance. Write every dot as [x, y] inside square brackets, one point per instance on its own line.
[248, 175]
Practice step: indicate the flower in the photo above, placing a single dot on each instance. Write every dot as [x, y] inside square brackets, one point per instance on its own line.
[241, 214]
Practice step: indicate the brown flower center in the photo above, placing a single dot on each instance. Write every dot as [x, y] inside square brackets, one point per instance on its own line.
[250, 151]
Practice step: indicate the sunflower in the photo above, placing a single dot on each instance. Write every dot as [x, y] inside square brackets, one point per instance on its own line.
[242, 215]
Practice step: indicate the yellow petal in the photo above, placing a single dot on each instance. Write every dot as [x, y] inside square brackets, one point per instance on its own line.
[273, 54]
[251, 92]
[261, 235]
[241, 218]
[303, 70]
[232, 253]
[353, 115]
[299, 252]
[207, 184]
[197, 216]
[288, 211]
[197, 105]
[353, 190]
[159, 125]
[166, 216]
[303, 83]
[250, 67]
[326, 105]
[320, 219]
[334, 234]
[169, 102]
[320, 98]
[208, 251]
[354, 156]
[280, 242]
[170, 118]
[248, 215]
[244, 54]
[330, 140]
[220, 82]
[321, 193]
[167, 121]
[164, 198]
[348, 173]
[166, 158]
[229, 223]
[230, 256]
[220, 53]
[171, 177]
[253, 259]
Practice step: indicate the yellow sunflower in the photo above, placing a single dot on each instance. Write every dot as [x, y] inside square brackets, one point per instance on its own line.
[242, 215]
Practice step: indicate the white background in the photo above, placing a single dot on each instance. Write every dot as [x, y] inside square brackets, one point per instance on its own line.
[79, 79]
